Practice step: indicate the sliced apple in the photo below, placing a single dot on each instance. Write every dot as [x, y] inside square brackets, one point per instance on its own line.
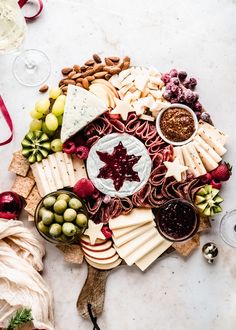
[106, 266]
[101, 247]
[103, 261]
[85, 239]
[100, 92]
[107, 84]
[100, 255]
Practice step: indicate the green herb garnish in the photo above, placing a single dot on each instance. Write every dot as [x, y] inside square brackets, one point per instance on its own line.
[22, 316]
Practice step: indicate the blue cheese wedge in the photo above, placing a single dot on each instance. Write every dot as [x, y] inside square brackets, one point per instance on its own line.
[81, 108]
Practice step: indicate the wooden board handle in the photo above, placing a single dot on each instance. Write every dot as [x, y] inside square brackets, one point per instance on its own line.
[93, 292]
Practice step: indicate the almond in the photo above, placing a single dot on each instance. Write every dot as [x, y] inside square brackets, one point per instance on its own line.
[71, 74]
[107, 68]
[115, 70]
[97, 58]
[79, 85]
[66, 71]
[126, 65]
[77, 75]
[85, 83]
[126, 59]
[114, 58]
[83, 68]
[89, 62]
[98, 67]
[100, 74]
[120, 65]
[108, 76]
[79, 80]
[64, 89]
[87, 73]
[68, 81]
[43, 89]
[90, 78]
[77, 68]
[108, 61]
[61, 82]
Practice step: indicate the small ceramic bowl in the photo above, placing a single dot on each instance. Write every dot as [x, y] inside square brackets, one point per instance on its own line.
[181, 106]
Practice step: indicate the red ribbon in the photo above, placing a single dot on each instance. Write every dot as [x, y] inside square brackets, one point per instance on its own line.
[8, 120]
[21, 3]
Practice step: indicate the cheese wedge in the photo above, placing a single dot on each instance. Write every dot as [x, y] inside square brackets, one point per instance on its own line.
[179, 154]
[211, 152]
[69, 169]
[55, 171]
[62, 169]
[81, 108]
[40, 179]
[144, 249]
[219, 136]
[189, 162]
[135, 217]
[208, 162]
[104, 261]
[49, 175]
[150, 257]
[122, 231]
[126, 249]
[79, 168]
[196, 158]
[133, 234]
[218, 147]
[106, 266]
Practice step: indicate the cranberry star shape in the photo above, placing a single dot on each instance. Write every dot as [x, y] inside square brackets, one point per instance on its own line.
[119, 166]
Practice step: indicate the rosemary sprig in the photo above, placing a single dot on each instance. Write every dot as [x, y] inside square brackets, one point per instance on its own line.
[22, 316]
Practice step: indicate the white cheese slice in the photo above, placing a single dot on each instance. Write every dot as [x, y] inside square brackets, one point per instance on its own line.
[114, 80]
[141, 81]
[55, 171]
[122, 231]
[79, 169]
[212, 142]
[69, 168]
[196, 158]
[135, 217]
[128, 80]
[214, 155]
[106, 266]
[219, 136]
[144, 249]
[62, 169]
[150, 257]
[189, 162]
[128, 248]
[178, 154]
[81, 108]
[208, 162]
[49, 175]
[133, 234]
[123, 74]
[40, 178]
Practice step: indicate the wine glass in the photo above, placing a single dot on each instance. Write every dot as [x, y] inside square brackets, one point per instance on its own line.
[31, 67]
[228, 228]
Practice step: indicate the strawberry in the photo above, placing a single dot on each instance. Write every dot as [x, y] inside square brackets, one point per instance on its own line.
[222, 172]
[84, 188]
[206, 178]
[216, 184]
[106, 231]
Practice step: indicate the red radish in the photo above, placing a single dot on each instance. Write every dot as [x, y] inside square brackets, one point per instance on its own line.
[206, 178]
[84, 188]
[10, 205]
[222, 172]
[69, 147]
[106, 231]
[216, 184]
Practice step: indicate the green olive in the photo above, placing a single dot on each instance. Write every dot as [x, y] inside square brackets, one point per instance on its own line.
[60, 206]
[55, 230]
[69, 215]
[49, 201]
[69, 229]
[75, 204]
[47, 217]
[64, 197]
[42, 209]
[58, 218]
[42, 228]
[81, 220]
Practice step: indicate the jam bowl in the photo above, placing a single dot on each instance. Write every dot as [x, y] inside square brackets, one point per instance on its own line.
[177, 124]
[177, 220]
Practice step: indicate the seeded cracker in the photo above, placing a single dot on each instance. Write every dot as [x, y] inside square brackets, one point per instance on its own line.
[32, 201]
[204, 224]
[30, 174]
[23, 186]
[19, 164]
[72, 253]
[184, 249]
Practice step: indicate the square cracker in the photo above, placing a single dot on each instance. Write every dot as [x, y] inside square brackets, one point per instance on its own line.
[19, 164]
[32, 201]
[185, 248]
[22, 185]
[72, 253]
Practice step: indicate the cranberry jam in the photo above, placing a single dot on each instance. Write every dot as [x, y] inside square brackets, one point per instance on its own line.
[177, 220]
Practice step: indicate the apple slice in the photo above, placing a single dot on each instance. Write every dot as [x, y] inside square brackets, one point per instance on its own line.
[103, 261]
[100, 247]
[85, 239]
[100, 254]
[104, 267]
[106, 83]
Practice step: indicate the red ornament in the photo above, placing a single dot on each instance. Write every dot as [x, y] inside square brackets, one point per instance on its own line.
[10, 205]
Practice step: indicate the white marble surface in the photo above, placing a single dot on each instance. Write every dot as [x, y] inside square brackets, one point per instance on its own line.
[198, 36]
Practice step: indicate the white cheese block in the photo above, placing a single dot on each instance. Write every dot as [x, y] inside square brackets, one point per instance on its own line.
[106, 266]
[189, 162]
[122, 231]
[49, 175]
[144, 249]
[114, 80]
[141, 81]
[179, 154]
[55, 171]
[100, 255]
[214, 155]
[125, 250]
[196, 158]
[62, 169]
[81, 108]
[40, 178]
[208, 162]
[104, 261]
[133, 234]
[69, 168]
[150, 257]
[123, 74]
[79, 168]
[135, 217]
[219, 136]
[218, 147]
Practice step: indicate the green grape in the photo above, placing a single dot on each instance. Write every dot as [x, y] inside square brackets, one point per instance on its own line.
[54, 92]
[60, 119]
[51, 122]
[59, 105]
[36, 125]
[35, 114]
[42, 105]
[47, 131]
[56, 145]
